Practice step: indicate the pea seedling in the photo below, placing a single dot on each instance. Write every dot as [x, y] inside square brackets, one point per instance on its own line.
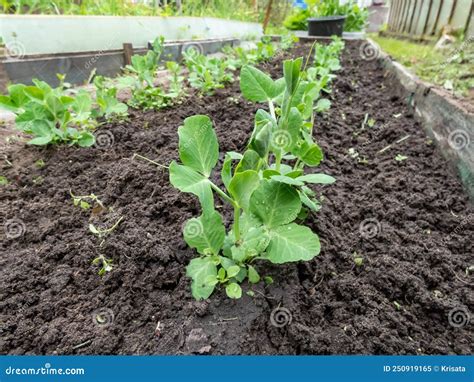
[266, 195]
[105, 263]
[81, 201]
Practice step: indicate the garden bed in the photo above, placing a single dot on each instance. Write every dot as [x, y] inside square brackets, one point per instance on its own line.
[409, 220]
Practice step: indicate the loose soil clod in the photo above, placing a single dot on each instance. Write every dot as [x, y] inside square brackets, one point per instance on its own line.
[409, 221]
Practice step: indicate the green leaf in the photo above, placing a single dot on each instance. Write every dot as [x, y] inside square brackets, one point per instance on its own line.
[186, 179]
[198, 146]
[275, 203]
[34, 93]
[310, 154]
[316, 179]
[250, 161]
[205, 233]
[226, 172]
[41, 141]
[308, 202]
[292, 242]
[86, 139]
[253, 275]
[257, 86]
[291, 72]
[287, 180]
[323, 105]
[199, 270]
[233, 290]
[260, 139]
[93, 229]
[241, 187]
[18, 96]
[233, 271]
[82, 106]
[54, 105]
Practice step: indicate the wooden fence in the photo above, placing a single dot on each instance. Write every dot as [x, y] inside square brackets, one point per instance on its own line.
[424, 19]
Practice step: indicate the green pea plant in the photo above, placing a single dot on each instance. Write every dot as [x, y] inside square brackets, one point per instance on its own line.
[140, 77]
[267, 196]
[176, 80]
[205, 73]
[51, 115]
[104, 262]
[326, 61]
[86, 201]
[109, 106]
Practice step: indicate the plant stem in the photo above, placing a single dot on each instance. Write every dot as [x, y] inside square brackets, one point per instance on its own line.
[236, 223]
[223, 195]
[148, 160]
[277, 161]
[272, 109]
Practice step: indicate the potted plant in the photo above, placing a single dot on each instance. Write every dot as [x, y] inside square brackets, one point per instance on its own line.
[327, 18]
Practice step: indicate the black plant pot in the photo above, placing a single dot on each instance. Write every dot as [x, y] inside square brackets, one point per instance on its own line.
[326, 26]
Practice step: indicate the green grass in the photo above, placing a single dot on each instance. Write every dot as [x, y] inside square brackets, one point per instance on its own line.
[452, 68]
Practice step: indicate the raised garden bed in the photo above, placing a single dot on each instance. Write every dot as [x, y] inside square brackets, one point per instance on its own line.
[408, 220]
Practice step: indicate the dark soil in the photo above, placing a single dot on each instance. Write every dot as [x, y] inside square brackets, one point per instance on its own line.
[409, 221]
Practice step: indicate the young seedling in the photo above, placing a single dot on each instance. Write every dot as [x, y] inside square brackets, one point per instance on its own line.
[358, 259]
[264, 211]
[40, 163]
[105, 263]
[106, 97]
[400, 158]
[51, 115]
[81, 201]
[3, 181]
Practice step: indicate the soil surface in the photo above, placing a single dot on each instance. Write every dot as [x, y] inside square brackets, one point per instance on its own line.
[391, 278]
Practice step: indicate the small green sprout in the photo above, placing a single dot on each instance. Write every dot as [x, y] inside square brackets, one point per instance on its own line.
[80, 201]
[40, 163]
[358, 259]
[397, 305]
[106, 264]
[3, 181]
[401, 158]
